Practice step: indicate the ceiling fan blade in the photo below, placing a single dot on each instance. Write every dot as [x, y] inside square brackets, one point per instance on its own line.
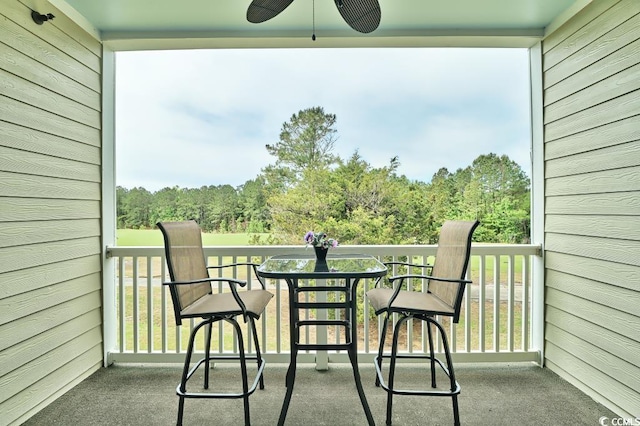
[263, 10]
[361, 15]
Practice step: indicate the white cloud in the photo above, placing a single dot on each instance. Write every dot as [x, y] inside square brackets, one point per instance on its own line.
[193, 118]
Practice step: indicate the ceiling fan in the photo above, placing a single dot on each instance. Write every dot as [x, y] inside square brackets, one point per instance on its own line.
[361, 15]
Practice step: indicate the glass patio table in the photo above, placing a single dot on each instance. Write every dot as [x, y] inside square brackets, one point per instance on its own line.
[346, 270]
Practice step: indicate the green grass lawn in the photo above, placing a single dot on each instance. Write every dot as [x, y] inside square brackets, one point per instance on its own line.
[153, 237]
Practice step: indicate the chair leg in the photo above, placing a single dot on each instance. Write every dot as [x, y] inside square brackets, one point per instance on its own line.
[432, 356]
[256, 343]
[185, 371]
[383, 335]
[207, 355]
[180, 411]
[243, 369]
[392, 365]
[451, 373]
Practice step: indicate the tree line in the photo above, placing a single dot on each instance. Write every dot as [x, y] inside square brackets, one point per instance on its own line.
[308, 187]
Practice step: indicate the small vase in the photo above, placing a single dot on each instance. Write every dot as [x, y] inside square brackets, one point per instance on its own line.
[321, 253]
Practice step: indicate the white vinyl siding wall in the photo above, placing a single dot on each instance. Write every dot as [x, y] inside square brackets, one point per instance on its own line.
[591, 70]
[50, 204]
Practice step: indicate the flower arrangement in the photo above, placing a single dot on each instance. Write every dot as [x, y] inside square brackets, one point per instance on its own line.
[319, 239]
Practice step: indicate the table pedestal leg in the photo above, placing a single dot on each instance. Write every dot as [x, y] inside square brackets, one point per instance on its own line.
[293, 339]
[353, 350]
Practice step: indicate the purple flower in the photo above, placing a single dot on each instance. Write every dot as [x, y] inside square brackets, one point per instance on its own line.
[309, 237]
[319, 239]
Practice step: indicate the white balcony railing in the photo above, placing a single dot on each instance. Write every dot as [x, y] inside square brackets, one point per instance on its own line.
[495, 325]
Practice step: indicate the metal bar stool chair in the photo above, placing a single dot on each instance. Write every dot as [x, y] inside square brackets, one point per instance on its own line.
[442, 298]
[193, 297]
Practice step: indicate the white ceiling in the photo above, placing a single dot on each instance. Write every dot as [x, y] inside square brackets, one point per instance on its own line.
[139, 24]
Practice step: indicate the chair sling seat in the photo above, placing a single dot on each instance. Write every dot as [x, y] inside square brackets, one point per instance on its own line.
[224, 304]
[415, 302]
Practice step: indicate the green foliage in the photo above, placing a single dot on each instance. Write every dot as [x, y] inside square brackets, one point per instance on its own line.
[310, 188]
[306, 142]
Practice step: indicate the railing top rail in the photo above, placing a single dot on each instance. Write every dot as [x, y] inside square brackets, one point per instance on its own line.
[376, 250]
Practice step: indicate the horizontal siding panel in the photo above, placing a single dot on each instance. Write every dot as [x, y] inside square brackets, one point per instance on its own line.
[619, 369]
[616, 109]
[52, 386]
[12, 136]
[613, 157]
[618, 180]
[21, 15]
[618, 251]
[616, 62]
[604, 385]
[22, 281]
[25, 304]
[605, 294]
[594, 39]
[619, 203]
[43, 98]
[593, 269]
[610, 134]
[617, 85]
[611, 342]
[29, 186]
[29, 69]
[612, 319]
[16, 161]
[23, 257]
[21, 39]
[620, 227]
[27, 327]
[24, 352]
[47, 363]
[23, 233]
[34, 118]
[25, 209]
[577, 22]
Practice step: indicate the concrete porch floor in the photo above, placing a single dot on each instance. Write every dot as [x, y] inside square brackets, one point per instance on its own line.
[492, 394]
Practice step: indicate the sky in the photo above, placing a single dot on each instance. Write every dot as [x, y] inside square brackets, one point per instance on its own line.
[192, 118]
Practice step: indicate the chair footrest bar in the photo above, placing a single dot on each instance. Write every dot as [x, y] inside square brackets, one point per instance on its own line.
[384, 385]
[230, 395]
[329, 288]
[321, 305]
[323, 347]
[342, 323]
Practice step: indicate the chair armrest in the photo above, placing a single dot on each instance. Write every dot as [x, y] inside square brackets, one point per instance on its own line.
[408, 264]
[429, 277]
[414, 265]
[232, 281]
[254, 266]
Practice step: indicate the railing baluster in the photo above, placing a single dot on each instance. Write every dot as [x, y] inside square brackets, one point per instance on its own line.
[482, 303]
[121, 304]
[526, 276]
[496, 303]
[511, 302]
[278, 317]
[136, 296]
[149, 306]
[467, 314]
[163, 305]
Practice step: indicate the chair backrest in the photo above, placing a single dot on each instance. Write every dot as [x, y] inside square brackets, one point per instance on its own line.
[186, 262]
[452, 259]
